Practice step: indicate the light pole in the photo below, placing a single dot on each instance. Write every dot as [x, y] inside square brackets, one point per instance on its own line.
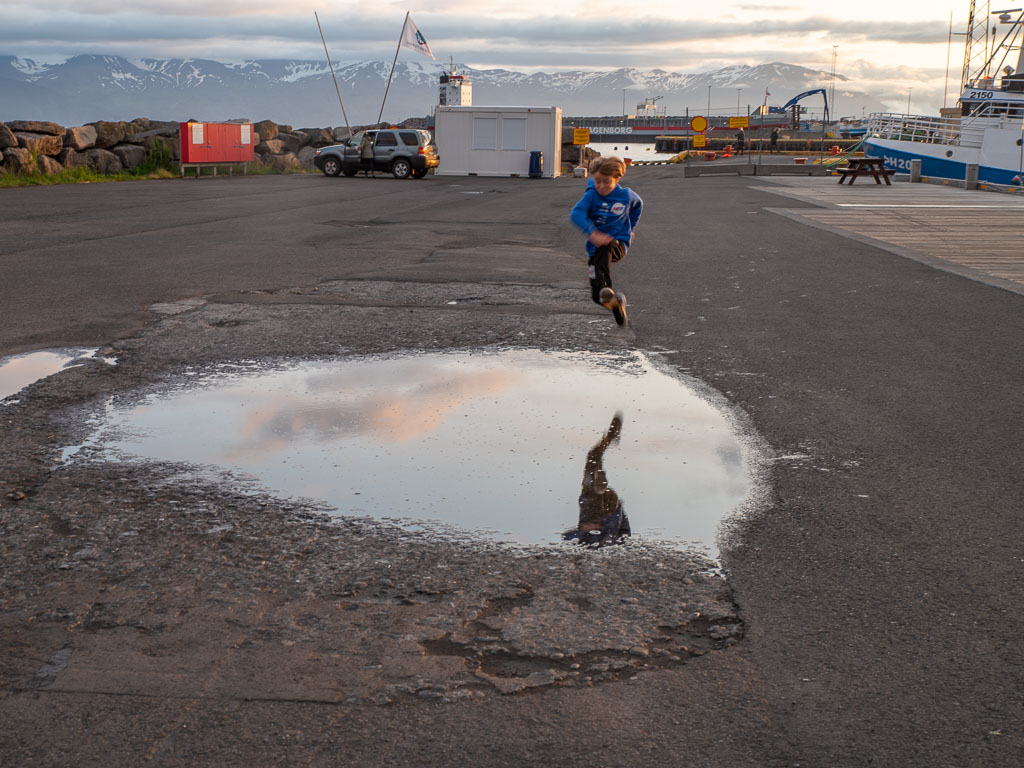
[764, 111]
[832, 82]
[709, 102]
[908, 100]
[738, 92]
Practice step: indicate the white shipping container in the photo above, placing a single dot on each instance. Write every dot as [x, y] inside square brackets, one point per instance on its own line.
[497, 141]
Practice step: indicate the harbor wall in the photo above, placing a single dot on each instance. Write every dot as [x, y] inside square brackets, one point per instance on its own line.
[33, 146]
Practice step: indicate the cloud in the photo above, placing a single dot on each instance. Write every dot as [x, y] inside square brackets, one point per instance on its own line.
[328, 407]
[901, 39]
[542, 41]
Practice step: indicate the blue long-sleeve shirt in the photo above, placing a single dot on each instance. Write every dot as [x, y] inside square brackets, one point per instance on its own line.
[616, 214]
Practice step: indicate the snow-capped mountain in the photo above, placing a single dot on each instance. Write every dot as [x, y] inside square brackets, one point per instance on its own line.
[301, 93]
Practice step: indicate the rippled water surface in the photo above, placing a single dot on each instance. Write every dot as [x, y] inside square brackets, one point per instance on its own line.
[500, 443]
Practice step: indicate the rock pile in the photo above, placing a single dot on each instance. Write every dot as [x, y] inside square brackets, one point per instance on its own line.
[28, 146]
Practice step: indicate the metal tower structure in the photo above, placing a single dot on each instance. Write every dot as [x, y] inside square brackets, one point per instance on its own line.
[976, 45]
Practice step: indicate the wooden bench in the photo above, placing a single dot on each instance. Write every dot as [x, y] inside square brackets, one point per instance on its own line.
[865, 166]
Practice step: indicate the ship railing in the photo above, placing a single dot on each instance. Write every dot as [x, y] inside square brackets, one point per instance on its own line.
[924, 129]
[998, 114]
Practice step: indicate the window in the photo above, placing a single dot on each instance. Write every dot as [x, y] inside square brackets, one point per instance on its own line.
[513, 133]
[386, 140]
[485, 133]
[409, 138]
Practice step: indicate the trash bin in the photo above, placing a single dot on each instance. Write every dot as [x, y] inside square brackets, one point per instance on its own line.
[536, 164]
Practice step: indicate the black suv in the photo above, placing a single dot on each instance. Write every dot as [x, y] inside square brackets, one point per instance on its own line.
[402, 151]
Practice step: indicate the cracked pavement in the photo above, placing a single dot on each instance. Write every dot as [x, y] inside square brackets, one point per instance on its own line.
[866, 611]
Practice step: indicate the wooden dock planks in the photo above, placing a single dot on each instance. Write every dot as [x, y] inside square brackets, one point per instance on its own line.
[980, 231]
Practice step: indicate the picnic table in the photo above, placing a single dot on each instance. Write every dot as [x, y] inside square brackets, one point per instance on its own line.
[865, 166]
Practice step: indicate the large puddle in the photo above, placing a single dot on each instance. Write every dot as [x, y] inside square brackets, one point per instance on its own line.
[523, 446]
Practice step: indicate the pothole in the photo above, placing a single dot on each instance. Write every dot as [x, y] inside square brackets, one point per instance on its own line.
[19, 371]
[520, 446]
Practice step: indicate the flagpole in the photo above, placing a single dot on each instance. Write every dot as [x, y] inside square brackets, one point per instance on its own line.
[397, 49]
[336, 88]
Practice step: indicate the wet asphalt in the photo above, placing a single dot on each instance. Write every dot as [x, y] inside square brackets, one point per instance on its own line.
[881, 584]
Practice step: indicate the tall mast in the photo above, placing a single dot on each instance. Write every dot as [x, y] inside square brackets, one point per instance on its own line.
[976, 43]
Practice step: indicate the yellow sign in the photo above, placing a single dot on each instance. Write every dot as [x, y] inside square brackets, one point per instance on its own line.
[580, 135]
[699, 124]
[698, 140]
[739, 122]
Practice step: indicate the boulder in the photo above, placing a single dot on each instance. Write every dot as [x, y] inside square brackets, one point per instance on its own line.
[70, 158]
[36, 126]
[319, 137]
[284, 128]
[40, 143]
[171, 145]
[109, 134]
[293, 142]
[83, 137]
[341, 133]
[306, 155]
[17, 160]
[168, 131]
[272, 147]
[166, 127]
[103, 161]
[48, 165]
[267, 129]
[130, 155]
[7, 138]
[140, 124]
[285, 162]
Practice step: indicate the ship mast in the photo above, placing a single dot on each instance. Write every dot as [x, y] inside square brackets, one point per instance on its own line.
[976, 53]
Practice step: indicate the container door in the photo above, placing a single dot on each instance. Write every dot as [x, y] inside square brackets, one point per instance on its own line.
[199, 139]
[245, 148]
[193, 141]
[219, 142]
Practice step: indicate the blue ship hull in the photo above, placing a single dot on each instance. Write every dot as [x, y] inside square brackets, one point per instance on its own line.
[898, 154]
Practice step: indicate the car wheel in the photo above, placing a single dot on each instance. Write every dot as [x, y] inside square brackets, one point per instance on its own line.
[401, 168]
[350, 172]
[331, 167]
[419, 174]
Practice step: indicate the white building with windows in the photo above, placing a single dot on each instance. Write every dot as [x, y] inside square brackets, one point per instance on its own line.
[497, 141]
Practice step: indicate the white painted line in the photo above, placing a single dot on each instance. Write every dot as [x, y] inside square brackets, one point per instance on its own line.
[926, 205]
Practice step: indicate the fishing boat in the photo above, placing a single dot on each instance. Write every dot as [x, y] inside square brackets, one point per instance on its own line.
[986, 129]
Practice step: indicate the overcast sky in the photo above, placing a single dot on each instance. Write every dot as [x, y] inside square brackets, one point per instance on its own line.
[887, 47]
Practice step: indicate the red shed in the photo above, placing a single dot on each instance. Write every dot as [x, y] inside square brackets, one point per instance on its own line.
[215, 144]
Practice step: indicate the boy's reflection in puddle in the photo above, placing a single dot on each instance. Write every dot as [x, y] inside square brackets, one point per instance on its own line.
[602, 517]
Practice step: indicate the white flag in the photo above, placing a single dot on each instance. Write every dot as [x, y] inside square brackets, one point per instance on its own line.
[411, 38]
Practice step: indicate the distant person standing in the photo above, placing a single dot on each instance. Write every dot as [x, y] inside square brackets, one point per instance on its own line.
[741, 142]
[775, 142]
[366, 154]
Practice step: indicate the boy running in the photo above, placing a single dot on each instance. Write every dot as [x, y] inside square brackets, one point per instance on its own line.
[607, 214]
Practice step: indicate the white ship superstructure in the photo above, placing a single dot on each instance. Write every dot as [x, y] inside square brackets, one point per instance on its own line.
[987, 130]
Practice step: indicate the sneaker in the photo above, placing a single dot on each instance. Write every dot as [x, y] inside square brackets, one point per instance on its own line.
[619, 309]
[607, 298]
